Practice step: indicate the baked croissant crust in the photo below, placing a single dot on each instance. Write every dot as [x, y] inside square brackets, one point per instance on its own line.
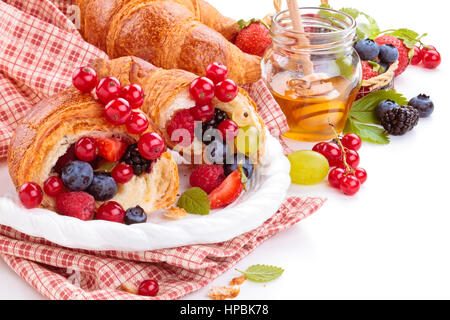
[56, 123]
[172, 34]
[167, 91]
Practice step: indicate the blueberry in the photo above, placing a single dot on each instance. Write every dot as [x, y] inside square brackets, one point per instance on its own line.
[384, 65]
[103, 187]
[239, 159]
[384, 106]
[216, 152]
[367, 49]
[135, 215]
[388, 53]
[77, 175]
[423, 104]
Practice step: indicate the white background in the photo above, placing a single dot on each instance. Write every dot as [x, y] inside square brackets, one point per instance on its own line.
[391, 241]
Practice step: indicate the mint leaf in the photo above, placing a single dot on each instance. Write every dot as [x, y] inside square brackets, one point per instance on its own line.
[244, 178]
[262, 273]
[195, 201]
[370, 102]
[351, 12]
[368, 133]
[106, 167]
[408, 36]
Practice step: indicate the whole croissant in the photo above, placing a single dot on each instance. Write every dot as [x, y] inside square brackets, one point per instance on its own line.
[172, 34]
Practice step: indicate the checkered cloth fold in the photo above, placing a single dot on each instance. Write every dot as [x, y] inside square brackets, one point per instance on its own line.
[39, 48]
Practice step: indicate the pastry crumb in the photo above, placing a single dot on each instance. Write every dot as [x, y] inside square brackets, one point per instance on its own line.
[238, 281]
[129, 287]
[174, 213]
[223, 293]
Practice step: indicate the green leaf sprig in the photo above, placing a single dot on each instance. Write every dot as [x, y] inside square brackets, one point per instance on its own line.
[195, 200]
[262, 273]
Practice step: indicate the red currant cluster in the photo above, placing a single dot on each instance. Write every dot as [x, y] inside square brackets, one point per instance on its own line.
[343, 157]
[427, 55]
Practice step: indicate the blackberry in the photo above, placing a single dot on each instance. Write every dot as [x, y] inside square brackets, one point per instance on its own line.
[133, 158]
[384, 106]
[399, 120]
[209, 129]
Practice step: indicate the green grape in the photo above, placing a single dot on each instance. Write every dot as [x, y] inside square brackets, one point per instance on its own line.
[308, 167]
[247, 141]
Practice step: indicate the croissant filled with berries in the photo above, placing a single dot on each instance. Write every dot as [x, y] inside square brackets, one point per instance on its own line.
[85, 163]
[172, 34]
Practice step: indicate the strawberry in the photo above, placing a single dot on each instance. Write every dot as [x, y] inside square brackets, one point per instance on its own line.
[403, 59]
[254, 37]
[228, 191]
[79, 205]
[111, 149]
[368, 71]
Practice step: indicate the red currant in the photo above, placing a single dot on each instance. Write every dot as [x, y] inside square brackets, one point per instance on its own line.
[335, 176]
[134, 94]
[318, 147]
[118, 111]
[332, 152]
[217, 72]
[53, 186]
[86, 149]
[148, 288]
[417, 57]
[30, 194]
[108, 89]
[202, 90]
[352, 158]
[203, 113]
[351, 141]
[122, 173]
[151, 146]
[226, 90]
[229, 129]
[349, 185]
[84, 79]
[138, 123]
[111, 211]
[431, 58]
[361, 174]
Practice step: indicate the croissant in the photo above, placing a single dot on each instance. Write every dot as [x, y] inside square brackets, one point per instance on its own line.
[175, 34]
[56, 123]
[167, 92]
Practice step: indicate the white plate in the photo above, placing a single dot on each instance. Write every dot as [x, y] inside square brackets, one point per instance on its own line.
[266, 191]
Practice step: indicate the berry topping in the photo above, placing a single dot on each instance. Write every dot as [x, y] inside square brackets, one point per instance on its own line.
[361, 174]
[138, 123]
[226, 90]
[400, 120]
[203, 113]
[111, 149]
[254, 38]
[209, 129]
[30, 194]
[79, 205]
[77, 176]
[181, 128]
[384, 106]
[134, 94]
[349, 185]
[103, 187]
[207, 177]
[335, 176]
[111, 211]
[65, 159]
[217, 72]
[118, 111]
[228, 129]
[403, 58]
[367, 49]
[84, 79]
[352, 141]
[216, 152]
[108, 89]
[151, 145]
[148, 288]
[135, 215]
[431, 58]
[423, 104]
[388, 53]
[202, 90]
[228, 191]
[239, 160]
[53, 186]
[133, 158]
[86, 149]
[122, 173]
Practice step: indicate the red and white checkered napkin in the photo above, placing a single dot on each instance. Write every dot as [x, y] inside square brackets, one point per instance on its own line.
[39, 48]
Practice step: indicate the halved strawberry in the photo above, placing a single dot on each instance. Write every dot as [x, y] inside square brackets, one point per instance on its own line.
[228, 191]
[111, 149]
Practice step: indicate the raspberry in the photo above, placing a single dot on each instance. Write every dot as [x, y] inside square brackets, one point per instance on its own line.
[207, 177]
[403, 59]
[368, 71]
[181, 121]
[79, 205]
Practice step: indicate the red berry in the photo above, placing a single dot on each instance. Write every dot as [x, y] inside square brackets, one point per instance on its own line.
[53, 186]
[351, 141]
[229, 129]
[350, 185]
[111, 211]
[203, 113]
[86, 149]
[118, 111]
[335, 176]
[181, 128]
[226, 90]
[122, 173]
[79, 205]
[134, 94]
[217, 72]
[417, 57]
[151, 145]
[207, 177]
[148, 288]
[352, 158]
[111, 149]
[108, 89]
[318, 147]
[138, 123]
[84, 79]
[431, 58]
[30, 194]
[361, 174]
[332, 152]
[202, 90]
